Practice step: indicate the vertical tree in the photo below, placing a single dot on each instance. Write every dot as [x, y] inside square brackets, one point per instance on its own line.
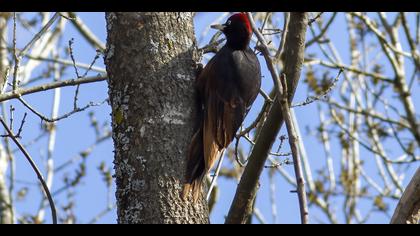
[150, 61]
[6, 210]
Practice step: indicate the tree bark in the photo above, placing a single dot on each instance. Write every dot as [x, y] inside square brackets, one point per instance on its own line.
[6, 216]
[6, 210]
[408, 208]
[4, 64]
[150, 60]
[241, 207]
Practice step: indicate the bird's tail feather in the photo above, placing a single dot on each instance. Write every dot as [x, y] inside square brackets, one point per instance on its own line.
[195, 166]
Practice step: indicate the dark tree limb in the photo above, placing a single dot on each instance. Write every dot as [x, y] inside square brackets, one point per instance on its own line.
[408, 208]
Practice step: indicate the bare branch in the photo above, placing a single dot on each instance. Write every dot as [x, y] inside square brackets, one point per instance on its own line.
[64, 83]
[85, 31]
[324, 94]
[216, 174]
[315, 18]
[55, 119]
[408, 208]
[35, 168]
[323, 31]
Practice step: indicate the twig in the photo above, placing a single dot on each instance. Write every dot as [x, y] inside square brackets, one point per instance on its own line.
[216, 174]
[363, 144]
[254, 124]
[12, 112]
[259, 216]
[35, 168]
[322, 33]
[85, 32]
[280, 50]
[312, 99]
[102, 214]
[237, 158]
[18, 135]
[39, 35]
[16, 58]
[315, 18]
[66, 62]
[312, 61]
[44, 118]
[379, 34]
[294, 146]
[64, 83]
[413, 47]
[278, 164]
[71, 41]
[262, 27]
[212, 46]
[369, 113]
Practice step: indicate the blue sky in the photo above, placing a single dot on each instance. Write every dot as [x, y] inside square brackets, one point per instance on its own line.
[74, 134]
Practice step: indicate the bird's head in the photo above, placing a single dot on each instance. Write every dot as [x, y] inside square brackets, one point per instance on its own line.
[238, 31]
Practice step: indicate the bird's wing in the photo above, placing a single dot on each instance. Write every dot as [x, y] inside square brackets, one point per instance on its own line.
[224, 107]
[249, 74]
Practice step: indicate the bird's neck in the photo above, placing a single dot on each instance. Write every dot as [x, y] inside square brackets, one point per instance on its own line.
[238, 43]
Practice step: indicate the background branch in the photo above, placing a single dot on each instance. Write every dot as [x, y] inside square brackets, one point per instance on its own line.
[36, 170]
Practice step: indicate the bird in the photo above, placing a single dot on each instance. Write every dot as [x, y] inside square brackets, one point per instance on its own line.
[225, 91]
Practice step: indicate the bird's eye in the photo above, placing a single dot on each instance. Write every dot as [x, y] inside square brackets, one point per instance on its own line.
[228, 22]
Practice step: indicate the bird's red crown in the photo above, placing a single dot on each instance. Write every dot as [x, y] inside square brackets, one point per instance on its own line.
[242, 17]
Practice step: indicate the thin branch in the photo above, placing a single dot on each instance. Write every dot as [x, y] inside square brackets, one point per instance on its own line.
[71, 41]
[410, 40]
[368, 112]
[67, 63]
[312, 61]
[324, 94]
[38, 35]
[311, 21]
[291, 130]
[216, 174]
[379, 35]
[19, 133]
[55, 119]
[64, 83]
[101, 214]
[85, 32]
[35, 168]
[280, 50]
[15, 57]
[363, 144]
[323, 31]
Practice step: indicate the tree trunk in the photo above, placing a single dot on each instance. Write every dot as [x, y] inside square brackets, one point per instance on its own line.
[6, 216]
[6, 208]
[150, 60]
[408, 208]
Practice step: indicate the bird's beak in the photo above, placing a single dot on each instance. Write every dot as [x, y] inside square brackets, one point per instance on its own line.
[220, 27]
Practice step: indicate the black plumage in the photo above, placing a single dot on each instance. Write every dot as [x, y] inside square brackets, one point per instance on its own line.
[226, 89]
